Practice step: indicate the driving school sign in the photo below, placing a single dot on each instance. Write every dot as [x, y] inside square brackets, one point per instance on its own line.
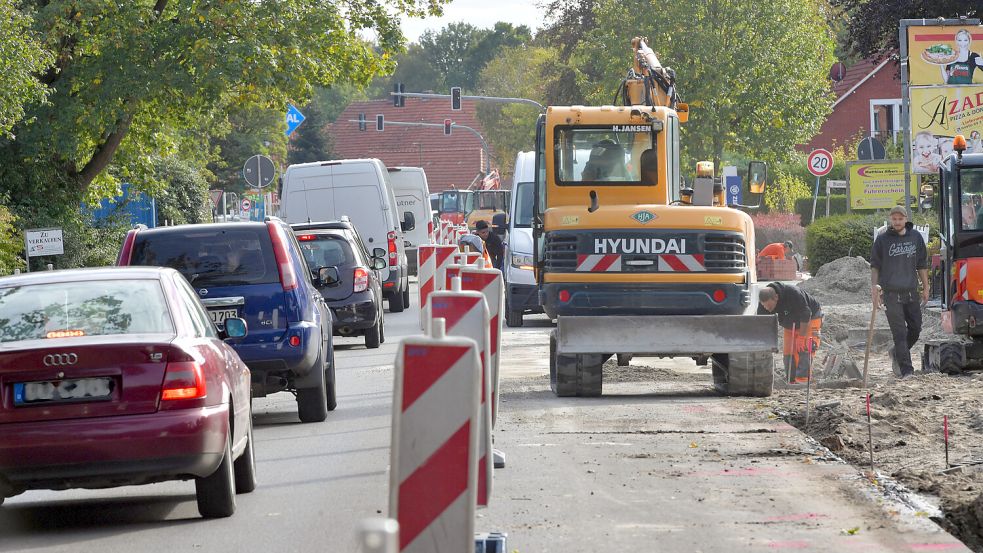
[44, 241]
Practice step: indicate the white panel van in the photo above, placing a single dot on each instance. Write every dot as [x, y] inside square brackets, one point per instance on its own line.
[413, 195]
[521, 292]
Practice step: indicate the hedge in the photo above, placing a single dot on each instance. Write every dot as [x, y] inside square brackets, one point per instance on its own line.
[837, 206]
[837, 236]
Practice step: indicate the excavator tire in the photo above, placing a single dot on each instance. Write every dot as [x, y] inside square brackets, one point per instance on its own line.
[590, 374]
[563, 371]
[718, 366]
[624, 359]
[951, 357]
[747, 374]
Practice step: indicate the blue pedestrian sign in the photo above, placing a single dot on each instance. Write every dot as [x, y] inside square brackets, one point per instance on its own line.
[734, 191]
[294, 118]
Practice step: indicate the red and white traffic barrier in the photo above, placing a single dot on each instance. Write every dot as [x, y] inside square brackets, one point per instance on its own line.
[443, 256]
[471, 258]
[450, 273]
[426, 268]
[435, 432]
[490, 283]
[466, 315]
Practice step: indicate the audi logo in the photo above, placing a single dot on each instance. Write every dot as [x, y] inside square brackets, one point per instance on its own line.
[60, 359]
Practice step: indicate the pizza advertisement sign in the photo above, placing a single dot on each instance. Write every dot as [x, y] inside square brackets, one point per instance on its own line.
[945, 55]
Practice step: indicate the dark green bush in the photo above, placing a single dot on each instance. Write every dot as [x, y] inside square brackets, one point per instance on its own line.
[838, 236]
[803, 206]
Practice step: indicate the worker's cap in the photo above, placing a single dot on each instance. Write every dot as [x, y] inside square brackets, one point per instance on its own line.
[481, 225]
[898, 209]
[788, 244]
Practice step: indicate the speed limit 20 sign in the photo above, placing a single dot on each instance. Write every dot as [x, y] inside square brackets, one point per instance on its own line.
[820, 162]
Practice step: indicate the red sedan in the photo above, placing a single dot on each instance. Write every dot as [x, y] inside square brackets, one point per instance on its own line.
[117, 376]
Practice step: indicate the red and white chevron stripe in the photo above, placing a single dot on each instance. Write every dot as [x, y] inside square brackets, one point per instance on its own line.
[490, 283]
[681, 263]
[962, 285]
[426, 268]
[451, 272]
[466, 315]
[443, 256]
[435, 431]
[599, 263]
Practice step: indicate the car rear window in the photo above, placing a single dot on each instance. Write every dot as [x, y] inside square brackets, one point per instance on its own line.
[90, 308]
[211, 257]
[325, 250]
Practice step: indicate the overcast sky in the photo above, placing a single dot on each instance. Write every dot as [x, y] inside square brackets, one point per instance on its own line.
[480, 13]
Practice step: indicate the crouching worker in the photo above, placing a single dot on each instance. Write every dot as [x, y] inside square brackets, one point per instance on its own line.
[801, 316]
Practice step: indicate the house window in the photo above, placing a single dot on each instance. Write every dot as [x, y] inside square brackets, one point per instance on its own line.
[885, 119]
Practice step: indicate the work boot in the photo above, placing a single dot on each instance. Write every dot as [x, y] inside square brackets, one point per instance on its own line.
[895, 367]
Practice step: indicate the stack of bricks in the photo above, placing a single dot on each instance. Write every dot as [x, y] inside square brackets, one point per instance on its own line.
[776, 269]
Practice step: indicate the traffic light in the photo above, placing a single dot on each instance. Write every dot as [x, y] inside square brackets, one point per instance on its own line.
[399, 100]
[455, 98]
[380, 122]
[447, 127]
[361, 122]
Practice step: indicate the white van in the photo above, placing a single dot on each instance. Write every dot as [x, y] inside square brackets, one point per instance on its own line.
[413, 195]
[521, 292]
[359, 188]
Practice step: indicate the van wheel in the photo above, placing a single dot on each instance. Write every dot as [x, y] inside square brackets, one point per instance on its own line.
[513, 318]
[396, 303]
[216, 492]
[312, 403]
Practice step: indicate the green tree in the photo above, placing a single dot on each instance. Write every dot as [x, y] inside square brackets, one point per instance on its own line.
[185, 198]
[21, 59]
[874, 24]
[459, 51]
[128, 77]
[253, 130]
[755, 73]
[11, 243]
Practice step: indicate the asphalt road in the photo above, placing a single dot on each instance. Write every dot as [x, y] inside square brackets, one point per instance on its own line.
[660, 462]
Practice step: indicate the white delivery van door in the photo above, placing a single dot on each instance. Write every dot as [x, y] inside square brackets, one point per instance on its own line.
[319, 199]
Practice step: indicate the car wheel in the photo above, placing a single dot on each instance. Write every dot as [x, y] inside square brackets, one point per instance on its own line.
[396, 302]
[406, 294]
[330, 381]
[513, 318]
[216, 492]
[312, 403]
[372, 335]
[382, 329]
[245, 466]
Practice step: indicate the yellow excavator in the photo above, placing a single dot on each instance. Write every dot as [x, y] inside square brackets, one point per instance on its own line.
[629, 261]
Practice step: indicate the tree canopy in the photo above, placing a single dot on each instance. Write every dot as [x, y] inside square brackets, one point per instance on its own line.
[873, 24]
[22, 59]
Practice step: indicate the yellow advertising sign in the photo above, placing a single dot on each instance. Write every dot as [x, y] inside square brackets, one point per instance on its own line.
[938, 114]
[945, 55]
[876, 184]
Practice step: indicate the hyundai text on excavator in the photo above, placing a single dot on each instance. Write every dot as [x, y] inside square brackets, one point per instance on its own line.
[631, 263]
[961, 233]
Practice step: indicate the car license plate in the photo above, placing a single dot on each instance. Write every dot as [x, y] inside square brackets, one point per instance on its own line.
[219, 315]
[59, 391]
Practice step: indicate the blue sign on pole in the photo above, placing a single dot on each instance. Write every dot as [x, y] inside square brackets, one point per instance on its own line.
[734, 191]
[294, 118]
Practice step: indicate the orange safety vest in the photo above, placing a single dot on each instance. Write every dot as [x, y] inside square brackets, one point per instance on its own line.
[774, 251]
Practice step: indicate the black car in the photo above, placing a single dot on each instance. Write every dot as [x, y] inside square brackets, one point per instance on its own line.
[356, 298]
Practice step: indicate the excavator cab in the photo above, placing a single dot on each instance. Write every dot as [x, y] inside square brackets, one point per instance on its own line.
[961, 233]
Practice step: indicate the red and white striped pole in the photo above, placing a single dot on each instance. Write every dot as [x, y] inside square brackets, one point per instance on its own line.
[426, 269]
[435, 432]
[466, 314]
[491, 284]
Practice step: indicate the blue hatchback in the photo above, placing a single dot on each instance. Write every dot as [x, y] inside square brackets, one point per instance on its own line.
[255, 271]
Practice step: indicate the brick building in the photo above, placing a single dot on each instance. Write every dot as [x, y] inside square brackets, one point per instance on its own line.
[447, 160]
[868, 102]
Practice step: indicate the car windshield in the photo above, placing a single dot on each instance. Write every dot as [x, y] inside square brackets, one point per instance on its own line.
[91, 308]
[211, 257]
[523, 204]
[599, 155]
[325, 250]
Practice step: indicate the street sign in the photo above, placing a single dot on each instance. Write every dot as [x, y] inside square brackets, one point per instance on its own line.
[216, 197]
[44, 241]
[259, 171]
[820, 162]
[734, 191]
[246, 205]
[870, 149]
[294, 118]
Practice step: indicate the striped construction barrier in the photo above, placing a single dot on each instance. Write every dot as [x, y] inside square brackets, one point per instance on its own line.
[466, 315]
[450, 273]
[426, 269]
[435, 432]
[490, 283]
[443, 256]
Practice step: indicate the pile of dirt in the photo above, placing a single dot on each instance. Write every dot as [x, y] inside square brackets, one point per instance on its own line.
[907, 436]
[842, 281]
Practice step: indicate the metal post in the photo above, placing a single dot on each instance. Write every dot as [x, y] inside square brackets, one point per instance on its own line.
[489, 99]
[905, 121]
[815, 198]
[27, 255]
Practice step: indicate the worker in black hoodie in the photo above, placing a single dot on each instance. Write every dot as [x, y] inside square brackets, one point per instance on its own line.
[801, 316]
[896, 259]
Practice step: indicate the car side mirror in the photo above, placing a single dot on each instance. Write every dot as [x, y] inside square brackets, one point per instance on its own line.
[409, 221]
[234, 329]
[757, 177]
[379, 263]
[328, 276]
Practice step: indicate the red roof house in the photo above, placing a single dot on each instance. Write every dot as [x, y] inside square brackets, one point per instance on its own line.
[868, 102]
[448, 160]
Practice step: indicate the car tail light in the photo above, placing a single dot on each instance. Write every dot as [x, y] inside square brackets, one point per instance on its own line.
[294, 340]
[719, 295]
[393, 256]
[306, 237]
[564, 296]
[430, 228]
[361, 280]
[126, 253]
[287, 276]
[183, 380]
